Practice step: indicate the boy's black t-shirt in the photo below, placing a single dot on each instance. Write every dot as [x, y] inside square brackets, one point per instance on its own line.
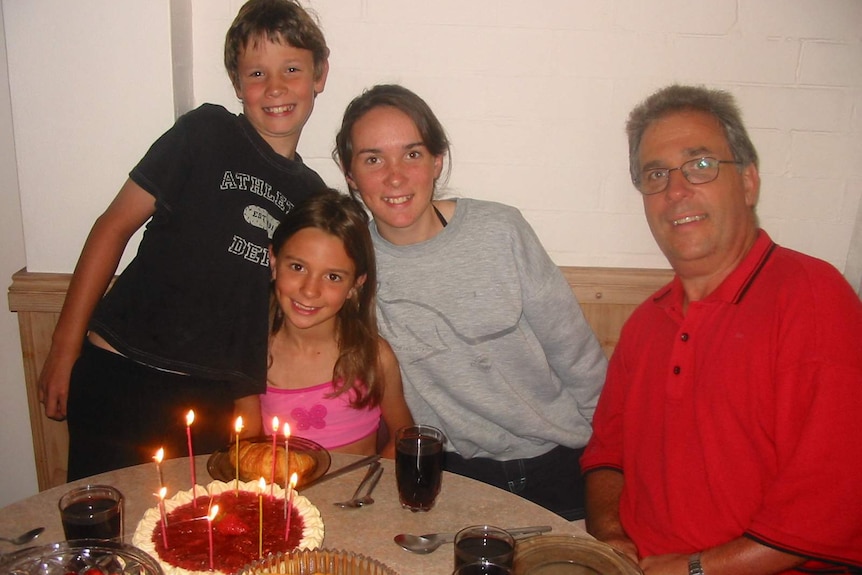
[195, 298]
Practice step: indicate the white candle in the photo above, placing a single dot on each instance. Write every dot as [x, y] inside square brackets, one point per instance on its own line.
[210, 517]
[158, 457]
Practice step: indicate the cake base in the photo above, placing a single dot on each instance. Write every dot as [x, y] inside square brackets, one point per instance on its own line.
[235, 529]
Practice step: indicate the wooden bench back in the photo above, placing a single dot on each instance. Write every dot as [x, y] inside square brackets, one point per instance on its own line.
[607, 297]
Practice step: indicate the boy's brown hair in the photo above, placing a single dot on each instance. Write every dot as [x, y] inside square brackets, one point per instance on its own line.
[274, 21]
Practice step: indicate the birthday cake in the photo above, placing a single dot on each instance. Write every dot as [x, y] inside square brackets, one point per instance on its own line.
[237, 538]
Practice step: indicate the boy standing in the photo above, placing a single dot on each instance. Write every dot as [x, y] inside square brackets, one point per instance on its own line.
[185, 325]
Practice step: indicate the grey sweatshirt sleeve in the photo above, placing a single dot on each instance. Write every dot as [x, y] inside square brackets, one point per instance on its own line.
[553, 313]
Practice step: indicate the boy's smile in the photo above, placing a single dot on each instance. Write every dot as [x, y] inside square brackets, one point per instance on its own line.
[277, 87]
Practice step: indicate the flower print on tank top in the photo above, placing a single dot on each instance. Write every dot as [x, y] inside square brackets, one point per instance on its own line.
[314, 417]
[329, 421]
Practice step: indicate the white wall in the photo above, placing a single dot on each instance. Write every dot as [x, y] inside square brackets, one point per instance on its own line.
[533, 94]
[534, 97]
[88, 99]
[19, 479]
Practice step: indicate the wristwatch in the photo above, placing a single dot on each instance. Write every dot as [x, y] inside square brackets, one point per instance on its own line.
[694, 566]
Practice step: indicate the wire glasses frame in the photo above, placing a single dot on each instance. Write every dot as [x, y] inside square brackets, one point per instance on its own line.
[696, 171]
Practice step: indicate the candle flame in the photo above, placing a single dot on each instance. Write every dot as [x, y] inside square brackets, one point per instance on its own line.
[162, 492]
[286, 429]
[160, 454]
[262, 484]
[190, 417]
[275, 425]
[238, 425]
[213, 513]
[294, 478]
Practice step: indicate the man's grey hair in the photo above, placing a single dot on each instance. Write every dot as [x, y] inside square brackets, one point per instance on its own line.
[679, 98]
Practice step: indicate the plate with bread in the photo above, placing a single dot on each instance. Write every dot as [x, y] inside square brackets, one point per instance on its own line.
[308, 459]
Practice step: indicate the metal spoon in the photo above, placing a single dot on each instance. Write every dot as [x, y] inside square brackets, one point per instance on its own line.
[429, 542]
[366, 499]
[371, 477]
[24, 538]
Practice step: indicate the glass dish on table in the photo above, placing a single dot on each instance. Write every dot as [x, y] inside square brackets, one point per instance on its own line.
[570, 555]
[317, 562]
[80, 556]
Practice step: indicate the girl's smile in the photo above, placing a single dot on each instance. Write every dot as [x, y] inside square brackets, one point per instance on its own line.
[313, 277]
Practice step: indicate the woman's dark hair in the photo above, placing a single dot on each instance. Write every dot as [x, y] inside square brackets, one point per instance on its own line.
[343, 217]
[394, 96]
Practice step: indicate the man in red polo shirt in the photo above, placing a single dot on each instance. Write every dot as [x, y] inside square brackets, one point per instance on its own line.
[727, 439]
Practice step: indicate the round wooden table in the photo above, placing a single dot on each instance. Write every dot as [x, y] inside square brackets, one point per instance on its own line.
[367, 530]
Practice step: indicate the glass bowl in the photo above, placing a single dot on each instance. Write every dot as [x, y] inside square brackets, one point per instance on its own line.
[323, 561]
[77, 557]
[570, 555]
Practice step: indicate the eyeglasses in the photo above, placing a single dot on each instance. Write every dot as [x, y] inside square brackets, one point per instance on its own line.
[697, 171]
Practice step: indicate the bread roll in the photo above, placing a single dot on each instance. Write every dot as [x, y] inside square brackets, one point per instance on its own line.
[255, 461]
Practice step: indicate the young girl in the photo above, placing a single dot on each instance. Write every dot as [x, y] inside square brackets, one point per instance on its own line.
[493, 346]
[330, 375]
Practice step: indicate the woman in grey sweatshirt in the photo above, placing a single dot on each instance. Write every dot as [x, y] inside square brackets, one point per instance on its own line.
[493, 346]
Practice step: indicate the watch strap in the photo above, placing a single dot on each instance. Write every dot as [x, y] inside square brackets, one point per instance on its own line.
[694, 566]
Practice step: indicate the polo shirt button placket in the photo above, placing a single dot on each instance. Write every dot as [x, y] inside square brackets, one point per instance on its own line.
[684, 338]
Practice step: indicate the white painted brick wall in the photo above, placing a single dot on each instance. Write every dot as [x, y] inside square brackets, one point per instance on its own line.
[535, 98]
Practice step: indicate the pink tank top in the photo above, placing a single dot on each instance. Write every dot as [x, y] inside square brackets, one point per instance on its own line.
[329, 421]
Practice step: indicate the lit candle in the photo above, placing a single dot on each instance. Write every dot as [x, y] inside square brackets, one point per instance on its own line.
[274, 458]
[190, 418]
[262, 487]
[291, 490]
[162, 492]
[286, 461]
[158, 457]
[210, 517]
[238, 428]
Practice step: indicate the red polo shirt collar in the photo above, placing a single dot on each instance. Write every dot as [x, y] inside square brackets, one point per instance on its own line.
[733, 288]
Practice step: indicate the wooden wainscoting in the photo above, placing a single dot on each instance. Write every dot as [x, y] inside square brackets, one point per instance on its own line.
[607, 296]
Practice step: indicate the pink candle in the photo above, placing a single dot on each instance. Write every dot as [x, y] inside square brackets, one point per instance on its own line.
[291, 491]
[238, 428]
[274, 458]
[162, 492]
[190, 418]
[210, 517]
[262, 487]
[286, 461]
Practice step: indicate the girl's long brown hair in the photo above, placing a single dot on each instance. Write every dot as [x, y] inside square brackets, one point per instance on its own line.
[356, 322]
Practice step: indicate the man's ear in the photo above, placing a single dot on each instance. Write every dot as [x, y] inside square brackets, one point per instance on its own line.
[751, 184]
